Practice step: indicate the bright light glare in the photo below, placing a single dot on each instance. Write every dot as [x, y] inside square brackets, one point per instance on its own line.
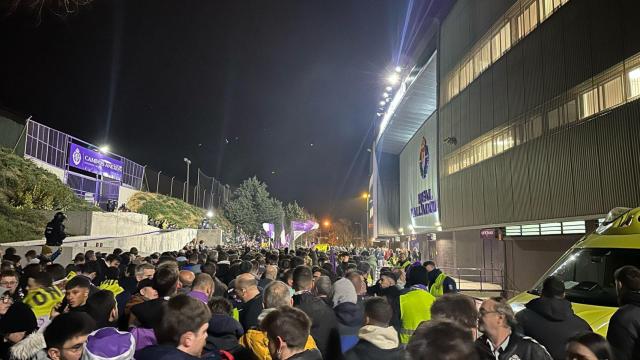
[382, 103]
[393, 78]
[388, 88]
[634, 74]
[385, 95]
[398, 69]
[209, 214]
[105, 149]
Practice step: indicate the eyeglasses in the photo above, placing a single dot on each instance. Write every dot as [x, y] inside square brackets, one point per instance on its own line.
[8, 283]
[6, 299]
[483, 312]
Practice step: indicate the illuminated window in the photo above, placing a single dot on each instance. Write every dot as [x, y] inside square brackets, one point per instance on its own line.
[528, 20]
[589, 103]
[547, 7]
[553, 118]
[611, 93]
[633, 78]
[501, 42]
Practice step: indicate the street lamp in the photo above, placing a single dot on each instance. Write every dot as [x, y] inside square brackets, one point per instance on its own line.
[365, 196]
[209, 214]
[187, 183]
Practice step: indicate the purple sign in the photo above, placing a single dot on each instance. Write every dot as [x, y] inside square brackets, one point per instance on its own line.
[95, 162]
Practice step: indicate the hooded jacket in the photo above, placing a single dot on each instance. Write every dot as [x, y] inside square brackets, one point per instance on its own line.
[376, 343]
[109, 343]
[324, 324]
[350, 316]
[256, 340]
[519, 347]
[624, 328]
[223, 334]
[30, 348]
[552, 322]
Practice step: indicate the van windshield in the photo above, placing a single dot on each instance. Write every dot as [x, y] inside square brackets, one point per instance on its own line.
[588, 274]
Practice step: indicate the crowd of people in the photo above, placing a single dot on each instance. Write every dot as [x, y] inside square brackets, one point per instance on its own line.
[260, 304]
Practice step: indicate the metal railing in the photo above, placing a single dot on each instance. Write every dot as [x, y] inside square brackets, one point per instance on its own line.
[477, 279]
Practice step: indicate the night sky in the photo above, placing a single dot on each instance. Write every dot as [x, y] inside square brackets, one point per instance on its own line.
[242, 88]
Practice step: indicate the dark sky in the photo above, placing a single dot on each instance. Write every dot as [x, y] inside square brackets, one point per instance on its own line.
[154, 79]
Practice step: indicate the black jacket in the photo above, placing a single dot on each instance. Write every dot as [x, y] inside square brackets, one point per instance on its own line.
[552, 323]
[523, 346]
[312, 354]
[223, 334]
[392, 293]
[149, 313]
[54, 233]
[365, 350]
[624, 328]
[250, 311]
[167, 352]
[324, 324]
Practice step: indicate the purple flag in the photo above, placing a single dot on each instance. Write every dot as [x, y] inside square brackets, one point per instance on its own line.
[300, 227]
[270, 229]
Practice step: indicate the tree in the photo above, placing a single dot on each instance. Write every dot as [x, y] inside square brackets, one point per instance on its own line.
[345, 232]
[251, 205]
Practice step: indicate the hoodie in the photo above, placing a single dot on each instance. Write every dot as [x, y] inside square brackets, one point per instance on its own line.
[552, 322]
[30, 348]
[350, 316]
[624, 328]
[376, 343]
[223, 334]
[109, 343]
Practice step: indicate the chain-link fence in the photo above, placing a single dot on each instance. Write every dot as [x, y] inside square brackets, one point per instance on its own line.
[207, 193]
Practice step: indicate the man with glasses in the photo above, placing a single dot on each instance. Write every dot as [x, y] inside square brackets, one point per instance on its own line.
[9, 280]
[5, 301]
[66, 335]
[500, 342]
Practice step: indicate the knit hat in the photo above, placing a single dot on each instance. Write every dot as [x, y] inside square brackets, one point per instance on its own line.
[18, 318]
[109, 343]
[344, 292]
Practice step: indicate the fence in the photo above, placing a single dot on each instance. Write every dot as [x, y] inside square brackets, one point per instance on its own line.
[208, 193]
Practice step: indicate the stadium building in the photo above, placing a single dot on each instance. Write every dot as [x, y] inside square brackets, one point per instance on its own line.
[514, 130]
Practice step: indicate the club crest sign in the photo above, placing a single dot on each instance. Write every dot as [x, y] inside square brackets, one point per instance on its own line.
[424, 158]
[76, 157]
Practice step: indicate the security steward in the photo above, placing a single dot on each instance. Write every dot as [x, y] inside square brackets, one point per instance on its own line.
[54, 232]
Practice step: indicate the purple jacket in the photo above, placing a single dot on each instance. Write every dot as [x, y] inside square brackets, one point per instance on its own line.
[144, 337]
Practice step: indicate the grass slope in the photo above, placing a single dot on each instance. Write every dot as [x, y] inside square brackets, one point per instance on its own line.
[26, 190]
[176, 211]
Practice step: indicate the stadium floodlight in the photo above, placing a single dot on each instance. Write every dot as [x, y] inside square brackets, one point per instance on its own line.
[209, 214]
[385, 94]
[104, 149]
[398, 69]
[393, 78]
[388, 88]
[382, 103]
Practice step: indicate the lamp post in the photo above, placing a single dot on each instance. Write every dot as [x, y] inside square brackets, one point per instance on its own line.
[187, 183]
[365, 196]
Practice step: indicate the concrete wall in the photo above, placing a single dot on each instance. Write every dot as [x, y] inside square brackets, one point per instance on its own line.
[50, 168]
[125, 194]
[159, 241]
[211, 237]
[96, 223]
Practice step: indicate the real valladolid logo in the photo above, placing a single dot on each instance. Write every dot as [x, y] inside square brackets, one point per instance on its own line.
[424, 158]
[77, 157]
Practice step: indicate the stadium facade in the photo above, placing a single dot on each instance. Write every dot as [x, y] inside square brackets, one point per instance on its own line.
[514, 131]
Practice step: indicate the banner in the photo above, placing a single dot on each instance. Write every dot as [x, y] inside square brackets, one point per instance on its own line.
[300, 227]
[283, 242]
[270, 229]
[322, 247]
[95, 162]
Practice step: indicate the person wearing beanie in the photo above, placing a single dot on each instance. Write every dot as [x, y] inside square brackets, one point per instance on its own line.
[415, 302]
[16, 326]
[109, 343]
[350, 316]
[550, 319]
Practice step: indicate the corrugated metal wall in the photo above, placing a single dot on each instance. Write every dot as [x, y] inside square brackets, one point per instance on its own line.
[388, 201]
[583, 170]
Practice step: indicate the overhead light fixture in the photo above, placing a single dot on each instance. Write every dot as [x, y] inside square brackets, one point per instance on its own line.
[398, 69]
[634, 74]
[388, 88]
[382, 103]
[393, 78]
[385, 95]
